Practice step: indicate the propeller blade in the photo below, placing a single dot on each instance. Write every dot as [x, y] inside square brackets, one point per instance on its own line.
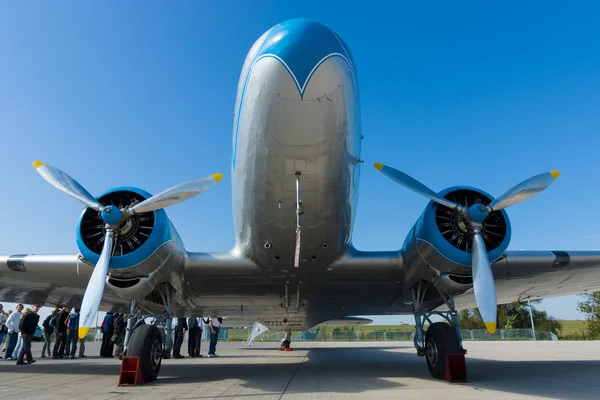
[414, 185]
[176, 194]
[95, 287]
[483, 283]
[65, 183]
[524, 190]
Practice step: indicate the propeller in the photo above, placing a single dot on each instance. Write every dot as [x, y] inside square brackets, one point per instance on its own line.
[112, 217]
[474, 216]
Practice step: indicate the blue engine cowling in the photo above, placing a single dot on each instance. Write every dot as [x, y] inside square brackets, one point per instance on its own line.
[438, 247]
[137, 239]
[147, 250]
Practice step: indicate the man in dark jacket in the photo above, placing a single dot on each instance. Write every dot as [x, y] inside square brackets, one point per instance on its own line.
[194, 337]
[61, 332]
[28, 325]
[48, 331]
[180, 330]
[108, 328]
[72, 337]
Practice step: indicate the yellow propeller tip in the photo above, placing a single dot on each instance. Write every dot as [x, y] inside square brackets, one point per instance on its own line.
[217, 177]
[37, 164]
[378, 166]
[83, 331]
[491, 327]
[555, 174]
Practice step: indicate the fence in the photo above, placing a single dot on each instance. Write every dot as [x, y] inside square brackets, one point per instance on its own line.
[358, 335]
[321, 335]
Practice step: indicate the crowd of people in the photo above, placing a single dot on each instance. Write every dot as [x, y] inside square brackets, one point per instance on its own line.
[194, 328]
[18, 328]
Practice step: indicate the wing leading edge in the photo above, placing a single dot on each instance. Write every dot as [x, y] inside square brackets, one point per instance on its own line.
[63, 279]
[46, 279]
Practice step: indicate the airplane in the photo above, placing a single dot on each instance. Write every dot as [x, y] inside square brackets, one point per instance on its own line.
[295, 171]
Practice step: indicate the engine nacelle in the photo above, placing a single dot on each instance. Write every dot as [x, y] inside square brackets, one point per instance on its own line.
[147, 249]
[438, 247]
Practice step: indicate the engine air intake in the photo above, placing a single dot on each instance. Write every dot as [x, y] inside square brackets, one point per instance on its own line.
[132, 233]
[454, 229]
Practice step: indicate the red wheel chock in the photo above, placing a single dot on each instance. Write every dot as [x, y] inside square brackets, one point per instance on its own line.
[131, 372]
[456, 368]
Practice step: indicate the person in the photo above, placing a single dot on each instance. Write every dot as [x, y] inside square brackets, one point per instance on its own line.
[72, 334]
[215, 326]
[61, 332]
[6, 335]
[108, 323]
[3, 329]
[167, 339]
[12, 324]
[19, 345]
[82, 347]
[48, 330]
[194, 337]
[118, 337]
[28, 325]
[180, 330]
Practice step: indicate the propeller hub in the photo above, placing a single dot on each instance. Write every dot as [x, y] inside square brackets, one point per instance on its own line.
[477, 213]
[112, 215]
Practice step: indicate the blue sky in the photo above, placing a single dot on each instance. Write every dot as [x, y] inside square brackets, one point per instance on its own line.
[463, 93]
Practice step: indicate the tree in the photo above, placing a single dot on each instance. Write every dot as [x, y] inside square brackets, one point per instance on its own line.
[590, 306]
[470, 319]
[511, 316]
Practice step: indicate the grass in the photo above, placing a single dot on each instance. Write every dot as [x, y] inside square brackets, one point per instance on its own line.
[573, 327]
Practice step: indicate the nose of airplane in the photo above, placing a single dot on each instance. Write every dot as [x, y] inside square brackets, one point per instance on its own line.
[301, 45]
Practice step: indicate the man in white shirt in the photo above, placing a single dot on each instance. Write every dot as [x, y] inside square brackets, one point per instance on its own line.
[12, 324]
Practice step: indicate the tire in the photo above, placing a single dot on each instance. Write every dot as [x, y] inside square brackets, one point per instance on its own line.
[146, 343]
[440, 340]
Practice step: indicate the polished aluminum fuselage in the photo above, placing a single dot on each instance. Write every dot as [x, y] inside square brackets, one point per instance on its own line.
[296, 126]
[280, 131]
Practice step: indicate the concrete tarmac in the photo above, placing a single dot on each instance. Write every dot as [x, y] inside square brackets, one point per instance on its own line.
[349, 370]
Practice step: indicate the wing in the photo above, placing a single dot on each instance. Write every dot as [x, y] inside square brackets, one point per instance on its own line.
[522, 275]
[48, 280]
[62, 279]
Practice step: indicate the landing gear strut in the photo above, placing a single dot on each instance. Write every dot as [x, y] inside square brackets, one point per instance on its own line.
[286, 342]
[167, 293]
[441, 339]
[130, 323]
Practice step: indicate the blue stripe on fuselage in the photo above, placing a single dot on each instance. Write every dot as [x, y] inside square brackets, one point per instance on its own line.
[301, 46]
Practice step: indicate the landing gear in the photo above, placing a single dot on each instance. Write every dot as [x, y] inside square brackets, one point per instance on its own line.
[441, 339]
[166, 293]
[146, 343]
[167, 342]
[130, 324]
[286, 342]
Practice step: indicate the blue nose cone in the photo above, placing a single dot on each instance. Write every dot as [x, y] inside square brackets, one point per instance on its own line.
[111, 215]
[301, 46]
[477, 213]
